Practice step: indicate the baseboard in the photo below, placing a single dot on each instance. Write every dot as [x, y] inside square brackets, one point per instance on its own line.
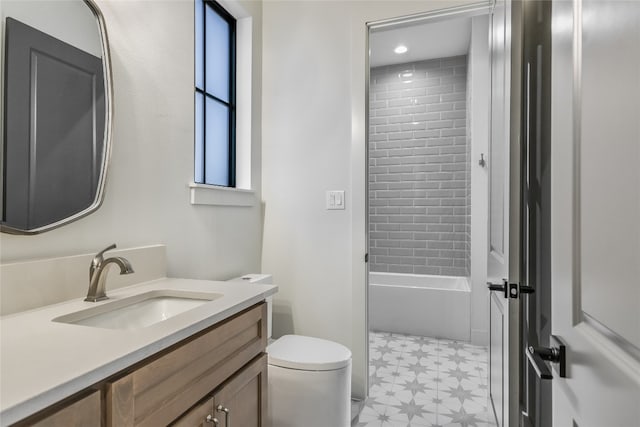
[356, 408]
[480, 337]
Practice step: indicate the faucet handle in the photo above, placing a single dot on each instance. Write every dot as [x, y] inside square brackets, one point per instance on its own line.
[98, 258]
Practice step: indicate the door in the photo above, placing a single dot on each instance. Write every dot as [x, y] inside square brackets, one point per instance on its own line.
[200, 415]
[242, 401]
[535, 391]
[595, 152]
[503, 262]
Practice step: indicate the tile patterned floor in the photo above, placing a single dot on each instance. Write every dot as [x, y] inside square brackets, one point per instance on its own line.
[421, 381]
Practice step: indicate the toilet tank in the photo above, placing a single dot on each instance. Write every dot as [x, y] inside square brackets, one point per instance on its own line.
[263, 279]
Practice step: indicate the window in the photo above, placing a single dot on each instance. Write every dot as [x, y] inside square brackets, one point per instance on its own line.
[215, 103]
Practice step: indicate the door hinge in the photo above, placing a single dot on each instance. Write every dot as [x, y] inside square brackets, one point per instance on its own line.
[366, 257]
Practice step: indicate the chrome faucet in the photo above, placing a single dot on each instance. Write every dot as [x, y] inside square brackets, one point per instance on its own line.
[98, 274]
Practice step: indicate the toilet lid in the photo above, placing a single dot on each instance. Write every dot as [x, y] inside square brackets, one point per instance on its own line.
[308, 354]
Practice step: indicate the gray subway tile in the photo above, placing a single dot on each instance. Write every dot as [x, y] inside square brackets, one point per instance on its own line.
[440, 124]
[427, 202]
[400, 135]
[401, 102]
[440, 228]
[429, 100]
[401, 251]
[440, 244]
[433, 219]
[426, 236]
[429, 253]
[401, 202]
[427, 185]
[440, 89]
[400, 219]
[397, 118]
[387, 112]
[413, 163]
[440, 72]
[401, 185]
[400, 269]
[427, 116]
[440, 262]
[400, 235]
[378, 218]
[427, 168]
[385, 145]
[427, 270]
[447, 106]
[387, 210]
[384, 95]
[387, 128]
[453, 184]
[378, 251]
[454, 97]
[454, 115]
[413, 227]
[379, 268]
[454, 132]
[378, 235]
[414, 109]
[427, 134]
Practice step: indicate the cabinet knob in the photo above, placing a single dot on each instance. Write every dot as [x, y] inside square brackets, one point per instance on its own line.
[211, 420]
[227, 415]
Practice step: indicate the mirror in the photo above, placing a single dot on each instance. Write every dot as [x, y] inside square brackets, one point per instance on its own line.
[57, 109]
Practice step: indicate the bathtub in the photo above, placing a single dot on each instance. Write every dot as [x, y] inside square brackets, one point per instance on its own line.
[415, 304]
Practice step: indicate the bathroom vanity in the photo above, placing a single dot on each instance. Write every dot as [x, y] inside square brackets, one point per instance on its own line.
[204, 366]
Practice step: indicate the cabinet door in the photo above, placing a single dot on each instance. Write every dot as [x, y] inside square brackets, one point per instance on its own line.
[242, 401]
[200, 416]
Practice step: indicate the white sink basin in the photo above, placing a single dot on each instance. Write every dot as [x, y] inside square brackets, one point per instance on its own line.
[139, 311]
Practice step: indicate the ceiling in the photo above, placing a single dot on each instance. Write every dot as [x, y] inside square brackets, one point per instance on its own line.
[424, 41]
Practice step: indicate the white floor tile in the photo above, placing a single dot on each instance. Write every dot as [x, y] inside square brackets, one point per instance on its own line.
[423, 381]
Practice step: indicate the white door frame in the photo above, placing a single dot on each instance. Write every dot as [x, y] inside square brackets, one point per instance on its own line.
[481, 8]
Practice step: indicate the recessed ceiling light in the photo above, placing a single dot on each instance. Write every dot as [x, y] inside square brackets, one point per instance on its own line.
[400, 49]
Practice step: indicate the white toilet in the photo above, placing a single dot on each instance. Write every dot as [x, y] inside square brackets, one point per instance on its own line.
[309, 378]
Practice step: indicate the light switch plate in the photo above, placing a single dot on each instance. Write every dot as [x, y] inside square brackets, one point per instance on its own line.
[335, 200]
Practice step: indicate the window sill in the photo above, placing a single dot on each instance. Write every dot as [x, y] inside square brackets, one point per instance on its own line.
[203, 194]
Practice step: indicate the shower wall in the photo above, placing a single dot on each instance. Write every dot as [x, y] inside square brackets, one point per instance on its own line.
[419, 169]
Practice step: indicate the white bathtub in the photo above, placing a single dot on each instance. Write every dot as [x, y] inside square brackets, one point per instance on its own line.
[415, 304]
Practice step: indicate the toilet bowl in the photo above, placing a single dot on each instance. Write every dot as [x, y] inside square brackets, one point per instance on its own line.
[309, 379]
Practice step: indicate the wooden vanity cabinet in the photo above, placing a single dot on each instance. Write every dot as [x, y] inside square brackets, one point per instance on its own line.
[227, 359]
[240, 401]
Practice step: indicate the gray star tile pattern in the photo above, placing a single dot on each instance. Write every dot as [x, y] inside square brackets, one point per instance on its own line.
[425, 382]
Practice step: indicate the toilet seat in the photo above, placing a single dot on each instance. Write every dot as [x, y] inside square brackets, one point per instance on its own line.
[308, 354]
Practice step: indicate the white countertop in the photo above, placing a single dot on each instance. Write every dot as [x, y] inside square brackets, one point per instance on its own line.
[42, 362]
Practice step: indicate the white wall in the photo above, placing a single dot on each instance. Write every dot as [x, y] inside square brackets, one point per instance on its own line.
[147, 193]
[478, 107]
[313, 141]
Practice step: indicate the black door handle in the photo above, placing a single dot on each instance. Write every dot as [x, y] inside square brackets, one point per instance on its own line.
[504, 287]
[510, 289]
[524, 289]
[538, 355]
